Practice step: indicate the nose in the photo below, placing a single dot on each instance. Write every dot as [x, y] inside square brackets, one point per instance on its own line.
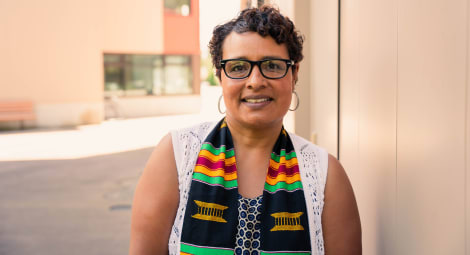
[256, 80]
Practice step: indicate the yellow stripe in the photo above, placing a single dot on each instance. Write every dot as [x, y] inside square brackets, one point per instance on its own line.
[221, 157]
[224, 124]
[283, 178]
[288, 163]
[215, 173]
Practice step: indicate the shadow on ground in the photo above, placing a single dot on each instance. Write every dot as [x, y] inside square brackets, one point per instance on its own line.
[79, 206]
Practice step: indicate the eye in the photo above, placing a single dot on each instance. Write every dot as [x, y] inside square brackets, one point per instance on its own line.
[237, 66]
[274, 65]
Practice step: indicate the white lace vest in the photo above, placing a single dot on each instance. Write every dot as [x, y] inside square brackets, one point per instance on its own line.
[313, 165]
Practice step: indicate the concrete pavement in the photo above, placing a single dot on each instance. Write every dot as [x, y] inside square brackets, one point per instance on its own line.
[75, 206]
[69, 191]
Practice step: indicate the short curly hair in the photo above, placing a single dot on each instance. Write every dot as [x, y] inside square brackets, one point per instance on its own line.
[265, 21]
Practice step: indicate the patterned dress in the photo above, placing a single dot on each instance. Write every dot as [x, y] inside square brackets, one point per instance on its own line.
[249, 226]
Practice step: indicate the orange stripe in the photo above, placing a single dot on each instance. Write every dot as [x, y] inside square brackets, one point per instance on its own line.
[283, 178]
[221, 157]
[282, 161]
[215, 173]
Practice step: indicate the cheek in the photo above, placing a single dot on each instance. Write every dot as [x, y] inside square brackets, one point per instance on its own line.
[287, 97]
[230, 94]
[287, 92]
[231, 90]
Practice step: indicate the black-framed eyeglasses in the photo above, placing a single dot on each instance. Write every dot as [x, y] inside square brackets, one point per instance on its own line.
[269, 68]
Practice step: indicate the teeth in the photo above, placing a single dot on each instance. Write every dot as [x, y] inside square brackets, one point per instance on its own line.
[260, 100]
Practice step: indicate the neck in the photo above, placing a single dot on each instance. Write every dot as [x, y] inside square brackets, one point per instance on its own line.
[254, 137]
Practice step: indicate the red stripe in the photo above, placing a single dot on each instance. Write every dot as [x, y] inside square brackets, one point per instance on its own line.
[283, 169]
[217, 165]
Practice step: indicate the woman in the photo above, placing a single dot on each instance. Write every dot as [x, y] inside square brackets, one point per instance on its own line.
[244, 185]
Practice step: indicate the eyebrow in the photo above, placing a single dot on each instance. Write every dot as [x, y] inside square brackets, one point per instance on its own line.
[270, 57]
[264, 58]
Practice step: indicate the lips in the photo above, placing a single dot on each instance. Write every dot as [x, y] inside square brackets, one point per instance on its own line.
[256, 99]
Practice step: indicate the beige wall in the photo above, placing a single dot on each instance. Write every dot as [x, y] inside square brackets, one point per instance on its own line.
[317, 116]
[467, 134]
[133, 26]
[403, 122]
[368, 117]
[52, 52]
[431, 125]
[303, 87]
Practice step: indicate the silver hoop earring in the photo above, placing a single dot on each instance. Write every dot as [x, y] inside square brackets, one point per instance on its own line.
[297, 100]
[218, 104]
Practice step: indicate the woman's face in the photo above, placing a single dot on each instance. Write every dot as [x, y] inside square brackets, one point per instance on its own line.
[256, 101]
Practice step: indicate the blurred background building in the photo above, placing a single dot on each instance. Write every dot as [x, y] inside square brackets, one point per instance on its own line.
[80, 62]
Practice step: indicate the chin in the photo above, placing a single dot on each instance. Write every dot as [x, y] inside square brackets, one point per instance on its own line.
[259, 122]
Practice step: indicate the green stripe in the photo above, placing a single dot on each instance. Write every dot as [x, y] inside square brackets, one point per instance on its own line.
[283, 153]
[228, 153]
[285, 253]
[283, 185]
[215, 180]
[204, 251]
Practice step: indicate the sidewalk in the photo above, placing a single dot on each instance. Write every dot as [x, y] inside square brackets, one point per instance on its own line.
[108, 137]
[70, 191]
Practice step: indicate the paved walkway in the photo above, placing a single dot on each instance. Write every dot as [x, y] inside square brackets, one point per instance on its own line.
[73, 206]
[70, 191]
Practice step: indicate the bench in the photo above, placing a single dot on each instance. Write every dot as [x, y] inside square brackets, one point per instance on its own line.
[15, 110]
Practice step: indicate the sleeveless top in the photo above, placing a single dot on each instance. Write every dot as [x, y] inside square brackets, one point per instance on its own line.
[313, 165]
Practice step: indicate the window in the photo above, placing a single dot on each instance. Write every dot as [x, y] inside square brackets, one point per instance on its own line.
[180, 7]
[139, 75]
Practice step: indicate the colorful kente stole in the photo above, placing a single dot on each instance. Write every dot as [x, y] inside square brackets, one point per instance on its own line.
[211, 218]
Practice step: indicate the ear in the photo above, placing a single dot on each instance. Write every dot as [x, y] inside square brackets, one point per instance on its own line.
[295, 74]
[218, 75]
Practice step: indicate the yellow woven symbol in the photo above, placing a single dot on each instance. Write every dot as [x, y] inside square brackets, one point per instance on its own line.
[284, 221]
[209, 211]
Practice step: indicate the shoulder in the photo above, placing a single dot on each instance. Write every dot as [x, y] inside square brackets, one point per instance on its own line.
[337, 178]
[340, 219]
[155, 202]
[160, 168]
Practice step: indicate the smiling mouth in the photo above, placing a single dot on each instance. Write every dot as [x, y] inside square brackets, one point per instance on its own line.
[256, 100]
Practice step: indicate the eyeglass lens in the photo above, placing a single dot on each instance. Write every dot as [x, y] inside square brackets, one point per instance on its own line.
[271, 68]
